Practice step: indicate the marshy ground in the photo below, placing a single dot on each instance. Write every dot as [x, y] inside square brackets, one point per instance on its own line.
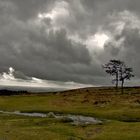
[121, 111]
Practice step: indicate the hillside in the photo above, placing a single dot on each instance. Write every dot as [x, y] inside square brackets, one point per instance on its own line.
[120, 112]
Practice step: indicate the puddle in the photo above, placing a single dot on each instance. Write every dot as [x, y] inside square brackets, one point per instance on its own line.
[25, 114]
[79, 119]
[73, 119]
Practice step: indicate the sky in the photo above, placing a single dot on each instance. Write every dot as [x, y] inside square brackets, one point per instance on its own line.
[66, 42]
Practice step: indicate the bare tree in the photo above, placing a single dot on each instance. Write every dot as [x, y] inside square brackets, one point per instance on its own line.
[113, 68]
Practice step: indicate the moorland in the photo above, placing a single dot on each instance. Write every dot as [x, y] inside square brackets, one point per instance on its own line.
[120, 114]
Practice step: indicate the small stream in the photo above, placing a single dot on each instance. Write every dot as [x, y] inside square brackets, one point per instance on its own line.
[69, 118]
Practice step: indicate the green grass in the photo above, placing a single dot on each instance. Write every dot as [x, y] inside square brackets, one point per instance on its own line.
[123, 111]
[28, 128]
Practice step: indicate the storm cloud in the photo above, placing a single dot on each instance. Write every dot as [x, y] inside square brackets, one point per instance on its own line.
[69, 40]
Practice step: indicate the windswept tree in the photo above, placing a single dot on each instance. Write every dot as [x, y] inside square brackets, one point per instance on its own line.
[119, 71]
[113, 68]
[125, 73]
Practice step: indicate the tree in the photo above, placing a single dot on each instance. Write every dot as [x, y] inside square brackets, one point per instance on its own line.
[120, 71]
[113, 68]
[125, 74]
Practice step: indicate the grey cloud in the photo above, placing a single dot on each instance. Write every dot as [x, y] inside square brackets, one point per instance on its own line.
[110, 46]
[110, 5]
[37, 53]
[44, 50]
[30, 8]
[17, 80]
[128, 50]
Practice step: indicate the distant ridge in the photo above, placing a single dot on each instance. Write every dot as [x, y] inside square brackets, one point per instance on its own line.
[5, 92]
[102, 89]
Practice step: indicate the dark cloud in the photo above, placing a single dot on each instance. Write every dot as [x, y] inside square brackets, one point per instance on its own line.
[56, 40]
[129, 37]
[110, 5]
[29, 9]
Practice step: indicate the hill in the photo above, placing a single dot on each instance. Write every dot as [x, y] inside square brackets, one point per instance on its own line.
[121, 112]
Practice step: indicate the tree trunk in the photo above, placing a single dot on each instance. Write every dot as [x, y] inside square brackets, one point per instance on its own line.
[116, 80]
[122, 86]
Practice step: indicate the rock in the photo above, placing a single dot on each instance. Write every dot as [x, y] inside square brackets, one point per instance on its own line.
[51, 115]
[66, 119]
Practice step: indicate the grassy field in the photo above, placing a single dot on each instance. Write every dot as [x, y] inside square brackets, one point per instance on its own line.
[122, 111]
